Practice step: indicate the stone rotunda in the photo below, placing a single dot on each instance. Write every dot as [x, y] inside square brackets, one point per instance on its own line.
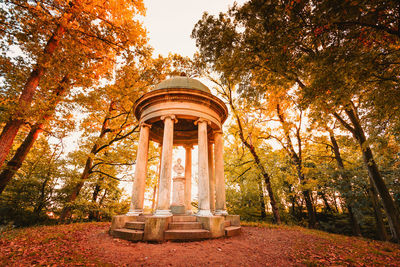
[180, 111]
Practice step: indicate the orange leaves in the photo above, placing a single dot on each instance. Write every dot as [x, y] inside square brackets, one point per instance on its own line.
[49, 245]
[319, 30]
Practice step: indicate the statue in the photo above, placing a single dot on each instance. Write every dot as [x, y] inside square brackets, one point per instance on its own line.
[178, 168]
[178, 191]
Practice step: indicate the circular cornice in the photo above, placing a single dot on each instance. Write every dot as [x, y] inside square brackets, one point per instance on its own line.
[181, 95]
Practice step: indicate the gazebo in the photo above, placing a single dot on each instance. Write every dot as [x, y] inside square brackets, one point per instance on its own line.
[180, 111]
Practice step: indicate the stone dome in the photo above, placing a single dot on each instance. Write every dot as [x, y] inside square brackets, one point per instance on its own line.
[181, 82]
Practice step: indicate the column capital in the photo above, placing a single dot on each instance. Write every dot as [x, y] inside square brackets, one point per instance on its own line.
[143, 124]
[218, 132]
[188, 146]
[172, 117]
[199, 120]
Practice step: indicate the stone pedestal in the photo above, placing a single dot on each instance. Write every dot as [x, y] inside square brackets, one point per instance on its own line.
[214, 224]
[233, 219]
[119, 221]
[178, 195]
[155, 228]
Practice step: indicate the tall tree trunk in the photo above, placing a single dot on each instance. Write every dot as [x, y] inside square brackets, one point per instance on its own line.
[355, 226]
[66, 212]
[380, 226]
[16, 162]
[266, 177]
[11, 128]
[391, 210]
[312, 219]
[293, 206]
[41, 202]
[261, 199]
[94, 214]
[297, 162]
[326, 203]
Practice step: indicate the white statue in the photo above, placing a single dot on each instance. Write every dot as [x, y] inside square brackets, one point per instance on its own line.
[178, 168]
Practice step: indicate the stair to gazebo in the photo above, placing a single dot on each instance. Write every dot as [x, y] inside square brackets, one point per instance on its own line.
[231, 230]
[128, 234]
[132, 231]
[185, 228]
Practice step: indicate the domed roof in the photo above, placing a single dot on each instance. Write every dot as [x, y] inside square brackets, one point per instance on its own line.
[182, 82]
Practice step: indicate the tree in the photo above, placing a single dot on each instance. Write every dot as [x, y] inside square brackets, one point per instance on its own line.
[15, 163]
[33, 192]
[226, 89]
[332, 66]
[81, 35]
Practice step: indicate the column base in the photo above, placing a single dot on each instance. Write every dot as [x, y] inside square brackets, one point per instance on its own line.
[189, 212]
[221, 212]
[136, 212]
[162, 213]
[177, 210]
[204, 213]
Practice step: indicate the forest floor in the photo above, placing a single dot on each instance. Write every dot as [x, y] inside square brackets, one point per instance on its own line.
[88, 244]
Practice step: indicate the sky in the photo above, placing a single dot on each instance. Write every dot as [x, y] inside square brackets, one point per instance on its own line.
[170, 22]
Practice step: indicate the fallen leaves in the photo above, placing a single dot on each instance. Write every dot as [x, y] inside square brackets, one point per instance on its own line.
[89, 244]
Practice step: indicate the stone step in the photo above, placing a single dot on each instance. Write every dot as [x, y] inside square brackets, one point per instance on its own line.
[232, 230]
[227, 223]
[184, 218]
[184, 225]
[128, 234]
[142, 218]
[192, 234]
[135, 225]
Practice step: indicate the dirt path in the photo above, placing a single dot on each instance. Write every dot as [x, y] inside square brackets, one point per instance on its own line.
[90, 245]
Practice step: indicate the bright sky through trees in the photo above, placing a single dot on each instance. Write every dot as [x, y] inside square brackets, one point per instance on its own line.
[170, 23]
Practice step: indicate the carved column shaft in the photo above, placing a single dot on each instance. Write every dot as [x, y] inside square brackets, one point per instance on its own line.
[211, 175]
[139, 181]
[219, 174]
[204, 194]
[164, 195]
[188, 178]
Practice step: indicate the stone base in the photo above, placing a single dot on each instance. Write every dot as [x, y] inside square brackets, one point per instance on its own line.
[179, 210]
[214, 224]
[204, 213]
[155, 227]
[221, 213]
[162, 213]
[119, 221]
[134, 212]
[179, 227]
[233, 219]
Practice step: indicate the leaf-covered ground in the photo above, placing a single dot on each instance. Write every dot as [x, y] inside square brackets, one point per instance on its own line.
[88, 244]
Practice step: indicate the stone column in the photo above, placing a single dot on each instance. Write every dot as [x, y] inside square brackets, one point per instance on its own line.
[140, 171]
[211, 176]
[219, 174]
[188, 179]
[164, 190]
[204, 190]
[158, 181]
